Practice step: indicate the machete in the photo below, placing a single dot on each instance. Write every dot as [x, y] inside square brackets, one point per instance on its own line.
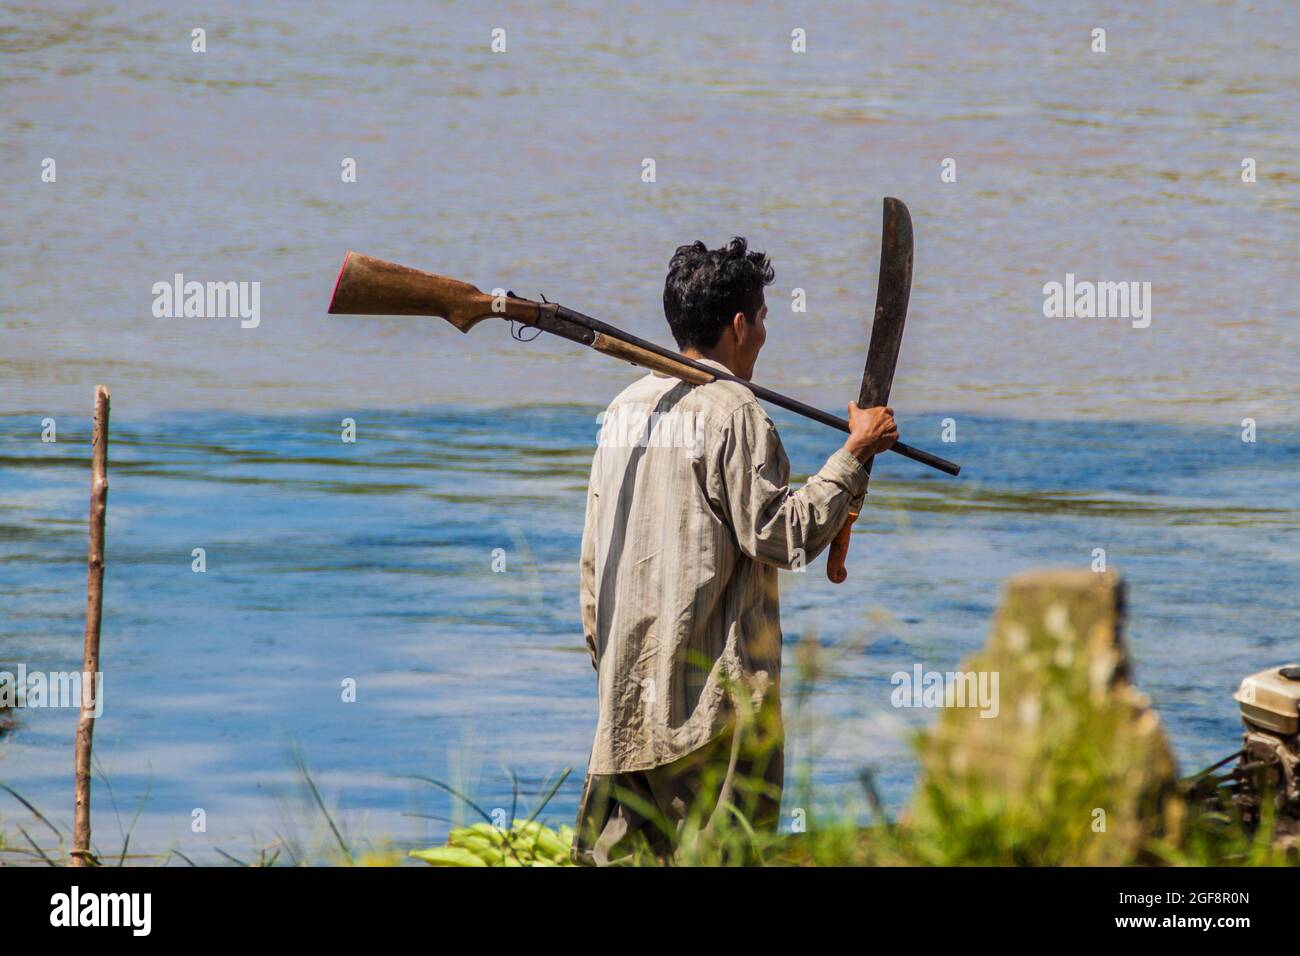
[892, 293]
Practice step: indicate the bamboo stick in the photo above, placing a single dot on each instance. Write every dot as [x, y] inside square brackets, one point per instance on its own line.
[81, 855]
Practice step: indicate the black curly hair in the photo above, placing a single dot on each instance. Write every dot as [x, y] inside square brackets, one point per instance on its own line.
[705, 288]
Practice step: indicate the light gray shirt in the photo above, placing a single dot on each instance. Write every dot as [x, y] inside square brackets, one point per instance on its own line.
[689, 516]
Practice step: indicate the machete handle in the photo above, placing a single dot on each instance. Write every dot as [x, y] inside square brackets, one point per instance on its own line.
[836, 573]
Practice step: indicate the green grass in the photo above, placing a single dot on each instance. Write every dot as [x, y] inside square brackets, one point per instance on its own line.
[1047, 818]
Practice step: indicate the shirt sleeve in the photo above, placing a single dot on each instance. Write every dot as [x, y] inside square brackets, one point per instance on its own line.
[587, 573]
[772, 523]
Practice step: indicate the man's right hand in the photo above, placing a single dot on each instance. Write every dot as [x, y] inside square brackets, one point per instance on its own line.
[871, 431]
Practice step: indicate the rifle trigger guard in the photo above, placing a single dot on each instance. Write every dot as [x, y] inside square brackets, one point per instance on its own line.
[517, 334]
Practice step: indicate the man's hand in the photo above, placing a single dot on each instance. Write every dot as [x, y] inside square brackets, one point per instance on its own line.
[872, 431]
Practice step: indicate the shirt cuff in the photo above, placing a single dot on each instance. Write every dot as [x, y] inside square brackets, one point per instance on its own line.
[845, 470]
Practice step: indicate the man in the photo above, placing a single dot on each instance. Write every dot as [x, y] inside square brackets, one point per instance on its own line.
[689, 516]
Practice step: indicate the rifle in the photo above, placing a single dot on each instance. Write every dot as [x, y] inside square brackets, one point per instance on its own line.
[368, 286]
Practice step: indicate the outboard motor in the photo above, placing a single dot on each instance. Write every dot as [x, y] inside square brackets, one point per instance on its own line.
[1269, 762]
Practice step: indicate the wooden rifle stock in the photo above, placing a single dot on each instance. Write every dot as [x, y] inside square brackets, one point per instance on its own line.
[369, 286]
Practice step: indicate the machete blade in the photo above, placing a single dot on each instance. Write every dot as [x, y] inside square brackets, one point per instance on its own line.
[892, 294]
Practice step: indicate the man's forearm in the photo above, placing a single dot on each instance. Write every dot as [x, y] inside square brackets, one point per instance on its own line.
[793, 528]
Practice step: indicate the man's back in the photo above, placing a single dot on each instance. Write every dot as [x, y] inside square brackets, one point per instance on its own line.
[689, 515]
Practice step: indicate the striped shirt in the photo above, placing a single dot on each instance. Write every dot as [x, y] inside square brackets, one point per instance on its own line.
[689, 516]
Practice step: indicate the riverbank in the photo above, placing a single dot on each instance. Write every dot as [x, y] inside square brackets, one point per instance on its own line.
[1063, 763]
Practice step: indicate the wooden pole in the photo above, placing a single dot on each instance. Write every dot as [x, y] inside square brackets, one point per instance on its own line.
[81, 855]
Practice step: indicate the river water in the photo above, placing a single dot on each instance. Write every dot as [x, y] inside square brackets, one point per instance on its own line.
[523, 170]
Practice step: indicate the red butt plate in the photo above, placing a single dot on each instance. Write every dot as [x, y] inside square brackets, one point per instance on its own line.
[335, 293]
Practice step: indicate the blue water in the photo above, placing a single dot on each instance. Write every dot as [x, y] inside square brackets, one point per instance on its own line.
[523, 171]
[373, 561]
